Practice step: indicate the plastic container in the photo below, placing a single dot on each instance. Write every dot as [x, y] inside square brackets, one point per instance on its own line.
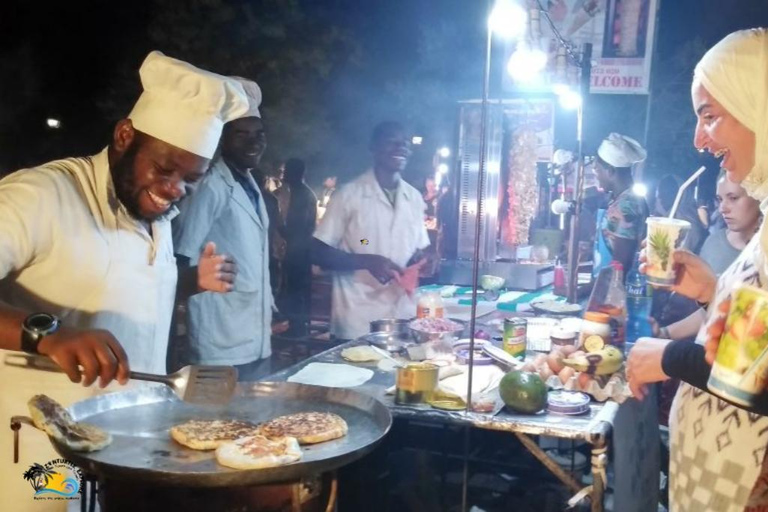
[639, 302]
[595, 324]
[430, 305]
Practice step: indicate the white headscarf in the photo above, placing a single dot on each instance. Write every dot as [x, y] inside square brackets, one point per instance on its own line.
[735, 72]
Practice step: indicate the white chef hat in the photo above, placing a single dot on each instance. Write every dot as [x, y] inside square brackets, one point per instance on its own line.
[621, 151]
[185, 106]
[253, 92]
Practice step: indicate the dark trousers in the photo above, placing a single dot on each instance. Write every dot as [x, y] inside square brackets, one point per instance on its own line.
[297, 290]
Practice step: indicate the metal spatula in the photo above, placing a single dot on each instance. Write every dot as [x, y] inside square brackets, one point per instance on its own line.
[195, 384]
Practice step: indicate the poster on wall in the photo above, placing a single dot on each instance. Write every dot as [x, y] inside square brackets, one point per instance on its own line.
[621, 33]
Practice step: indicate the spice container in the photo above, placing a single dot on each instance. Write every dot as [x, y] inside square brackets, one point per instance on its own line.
[416, 383]
[562, 337]
[430, 306]
[595, 330]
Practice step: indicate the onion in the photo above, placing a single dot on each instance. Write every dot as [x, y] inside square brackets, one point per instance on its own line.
[481, 334]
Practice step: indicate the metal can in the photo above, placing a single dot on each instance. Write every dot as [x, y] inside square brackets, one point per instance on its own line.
[416, 383]
[515, 337]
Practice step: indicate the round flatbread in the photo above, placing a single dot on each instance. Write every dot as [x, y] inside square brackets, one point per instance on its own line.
[258, 452]
[361, 354]
[210, 434]
[53, 419]
[307, 427]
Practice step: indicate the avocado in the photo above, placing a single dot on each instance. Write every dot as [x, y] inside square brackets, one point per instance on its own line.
[523, 392]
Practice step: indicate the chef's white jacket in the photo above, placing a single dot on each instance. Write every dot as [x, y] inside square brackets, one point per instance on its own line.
[230, 328]
[360, 211]
[68, 247]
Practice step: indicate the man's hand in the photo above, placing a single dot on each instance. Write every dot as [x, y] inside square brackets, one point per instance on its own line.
[383, 269]
[215, 272]
[694, 277]
[715, 331]
[644, 365]
[409, 278]
[97, 352]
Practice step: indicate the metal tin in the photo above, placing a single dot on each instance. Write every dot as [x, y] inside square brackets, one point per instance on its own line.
[416, 383]
[568, 402]
[515, 335]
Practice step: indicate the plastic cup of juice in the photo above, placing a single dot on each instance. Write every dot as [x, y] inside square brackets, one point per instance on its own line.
[664, 237]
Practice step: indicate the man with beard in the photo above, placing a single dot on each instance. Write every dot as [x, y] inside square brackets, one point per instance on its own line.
[383, 210]
[229, 209]
[87, 272]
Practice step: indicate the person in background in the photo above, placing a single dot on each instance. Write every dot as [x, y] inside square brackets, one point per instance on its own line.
[621, 226]
[300, 215]
[276, 242]
[718, 449]
[666, 191]
[87, 272]
[228, 208]
[431, 196]
[329, 187]
[374, 227]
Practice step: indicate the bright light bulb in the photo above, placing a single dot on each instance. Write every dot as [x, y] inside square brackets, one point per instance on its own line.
[508, 19]
[416, 140]
[442, 168]
[570, 100]
[640, 189]
[525, 64]
[53, 123]
[560, 88]
[444, 152]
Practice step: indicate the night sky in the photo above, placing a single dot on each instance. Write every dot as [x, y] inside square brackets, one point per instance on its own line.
[77, 61]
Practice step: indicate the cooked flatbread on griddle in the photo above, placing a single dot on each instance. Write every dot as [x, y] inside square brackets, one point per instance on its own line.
[258, 452]
[209, 434]
[307, 427]
[50, 417]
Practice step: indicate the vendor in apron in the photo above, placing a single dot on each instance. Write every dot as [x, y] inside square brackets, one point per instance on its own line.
[374, 229]
[620, 226]
[87, 271]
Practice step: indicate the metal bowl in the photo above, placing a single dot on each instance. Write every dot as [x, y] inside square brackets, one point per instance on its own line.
[388, 340]
[425, 337]
[394, 325]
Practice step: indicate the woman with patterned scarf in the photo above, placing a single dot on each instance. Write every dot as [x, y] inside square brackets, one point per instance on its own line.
[718, 450]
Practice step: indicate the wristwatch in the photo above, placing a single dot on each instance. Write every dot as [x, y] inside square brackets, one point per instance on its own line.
[34, 328]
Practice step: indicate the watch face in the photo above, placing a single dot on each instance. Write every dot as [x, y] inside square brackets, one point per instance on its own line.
[40, 321]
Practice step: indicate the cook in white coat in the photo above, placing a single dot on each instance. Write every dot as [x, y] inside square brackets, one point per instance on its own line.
[373, 228]
[228, 208]
[87, 241]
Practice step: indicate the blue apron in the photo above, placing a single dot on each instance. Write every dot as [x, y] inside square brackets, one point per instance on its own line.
[602, 255]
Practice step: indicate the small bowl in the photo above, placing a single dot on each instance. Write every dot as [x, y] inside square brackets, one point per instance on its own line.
[491, 283]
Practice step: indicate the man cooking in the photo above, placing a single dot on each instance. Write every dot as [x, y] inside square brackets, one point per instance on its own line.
[87, 272]
[621, 226]
[373, 228]
[229, 209]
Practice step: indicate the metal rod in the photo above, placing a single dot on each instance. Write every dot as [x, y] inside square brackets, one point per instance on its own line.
[549, 463]
[478, 227]
[573, 245]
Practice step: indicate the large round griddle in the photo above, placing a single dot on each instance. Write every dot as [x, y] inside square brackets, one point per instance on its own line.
[142, 449]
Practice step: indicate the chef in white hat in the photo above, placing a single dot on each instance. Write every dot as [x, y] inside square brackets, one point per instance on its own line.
[229, 208]
[620, 226]
[87, 269]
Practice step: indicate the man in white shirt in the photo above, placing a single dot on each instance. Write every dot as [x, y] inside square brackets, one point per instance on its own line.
[373, 228]
[87, 271]
[229, 209]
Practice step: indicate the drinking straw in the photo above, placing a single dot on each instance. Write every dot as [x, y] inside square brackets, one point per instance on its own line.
[695, 175]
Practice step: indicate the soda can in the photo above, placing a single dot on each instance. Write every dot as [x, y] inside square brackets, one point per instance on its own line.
[515, 337]
[740, 369]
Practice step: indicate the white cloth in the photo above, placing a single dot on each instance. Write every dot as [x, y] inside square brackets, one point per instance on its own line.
[360, 210]
[227, 328]
[717, 450]
[69, 248]
[621, 151]
[185, 106]
[253, 93]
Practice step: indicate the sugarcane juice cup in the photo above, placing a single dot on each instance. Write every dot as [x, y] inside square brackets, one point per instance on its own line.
[664, 237]
[416, 383]
[741, 365]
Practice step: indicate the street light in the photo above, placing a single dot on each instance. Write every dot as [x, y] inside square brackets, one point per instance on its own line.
[526, 63]
[444, 152]
[416, 140]
[640, 189]
[53, 123]
[570, 100]
[508, 19]
[442, 169]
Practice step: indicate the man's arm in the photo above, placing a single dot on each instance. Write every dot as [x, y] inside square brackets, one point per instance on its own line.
[624, 251]
[329, 258]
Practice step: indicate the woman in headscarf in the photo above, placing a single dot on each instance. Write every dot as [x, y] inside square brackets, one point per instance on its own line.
[718, 458]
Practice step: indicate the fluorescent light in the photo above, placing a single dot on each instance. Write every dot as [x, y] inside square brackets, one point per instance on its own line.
[526, 64]
[416, 140]
[508, 19]
[53, 123]
[442, 169]
[640, 189]
[444, 152]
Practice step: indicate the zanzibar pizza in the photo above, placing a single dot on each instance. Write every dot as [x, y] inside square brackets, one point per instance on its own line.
[258, 452]
[50, 417]
[210, 434]
[307, 427]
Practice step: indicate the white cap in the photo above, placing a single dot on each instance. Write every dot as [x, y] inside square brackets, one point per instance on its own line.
[185, 106]
[621, 151]
[253, 92]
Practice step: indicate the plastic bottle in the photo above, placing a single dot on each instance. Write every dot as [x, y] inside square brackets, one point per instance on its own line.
[430, 306]
[614, 303]
[639, 300]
